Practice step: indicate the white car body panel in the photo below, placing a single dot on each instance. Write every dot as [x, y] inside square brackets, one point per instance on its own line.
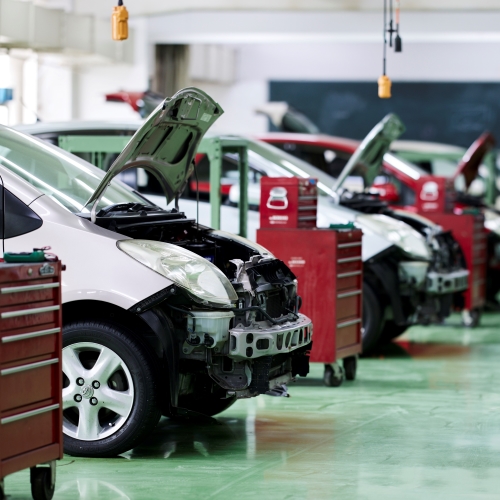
[88, 251]
[19, 187]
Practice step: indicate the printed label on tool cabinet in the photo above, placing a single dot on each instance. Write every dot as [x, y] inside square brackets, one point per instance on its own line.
[296, 262]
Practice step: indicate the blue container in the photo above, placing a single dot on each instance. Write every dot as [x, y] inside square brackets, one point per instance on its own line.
[5, 95]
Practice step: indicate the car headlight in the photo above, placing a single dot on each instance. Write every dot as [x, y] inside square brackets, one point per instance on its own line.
[400, 234]
[205, 282]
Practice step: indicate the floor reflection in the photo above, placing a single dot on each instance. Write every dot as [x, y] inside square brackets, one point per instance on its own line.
[410, 349]
[182, 439]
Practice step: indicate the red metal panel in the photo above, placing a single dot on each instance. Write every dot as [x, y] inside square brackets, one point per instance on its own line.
[434, 195]
[288, 202]
[30, 383]
[469, 231]
[313, 255]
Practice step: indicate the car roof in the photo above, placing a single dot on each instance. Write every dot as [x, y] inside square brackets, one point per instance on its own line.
[427, 147]
[339, 142]
[76, 125]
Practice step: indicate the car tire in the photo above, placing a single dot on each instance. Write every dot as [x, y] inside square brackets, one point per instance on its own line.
[372, 318]
[390, 331]
[109, 380]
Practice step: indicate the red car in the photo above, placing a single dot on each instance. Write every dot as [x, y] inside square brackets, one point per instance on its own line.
[398, 183]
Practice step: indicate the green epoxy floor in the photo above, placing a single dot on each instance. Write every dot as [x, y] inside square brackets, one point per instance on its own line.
[421, 421]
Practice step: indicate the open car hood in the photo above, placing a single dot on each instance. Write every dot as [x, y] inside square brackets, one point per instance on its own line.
[473, 157]
[166, 144]
[287, 119]
[368, 157]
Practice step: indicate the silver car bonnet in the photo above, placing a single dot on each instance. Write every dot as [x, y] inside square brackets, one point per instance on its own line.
[367, 159]
[166, 144]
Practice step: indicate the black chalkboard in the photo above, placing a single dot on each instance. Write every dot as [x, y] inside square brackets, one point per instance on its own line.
[453, 113]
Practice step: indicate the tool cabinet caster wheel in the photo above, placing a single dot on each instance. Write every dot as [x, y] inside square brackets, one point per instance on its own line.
[42, 483]
[333, 376]
[471, 318]
[350, 367]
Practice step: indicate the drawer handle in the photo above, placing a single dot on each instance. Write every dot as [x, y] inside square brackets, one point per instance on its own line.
[25, 312]
[32, 335]
[349, 245]
[348, 323]
[348, 275]
[31, 366]
[28, 288]
[28, 414]
[349, 259]
[348, 294]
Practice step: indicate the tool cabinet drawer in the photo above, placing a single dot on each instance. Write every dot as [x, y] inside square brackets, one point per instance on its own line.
[349, 249]
[348, 333]
[29, 382]
[29, 430]
[26, 315]
[16, 345]
[348, 305]
[28, 292]
[349, 280]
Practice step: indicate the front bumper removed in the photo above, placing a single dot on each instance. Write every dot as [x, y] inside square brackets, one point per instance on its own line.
[257, 341]
[444, 283]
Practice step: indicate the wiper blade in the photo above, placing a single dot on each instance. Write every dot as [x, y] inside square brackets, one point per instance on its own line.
[126, 207]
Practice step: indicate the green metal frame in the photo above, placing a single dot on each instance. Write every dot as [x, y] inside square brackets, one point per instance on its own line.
[214, 147]
[96, 145]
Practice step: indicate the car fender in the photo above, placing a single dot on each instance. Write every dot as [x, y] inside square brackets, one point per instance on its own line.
[96, 269]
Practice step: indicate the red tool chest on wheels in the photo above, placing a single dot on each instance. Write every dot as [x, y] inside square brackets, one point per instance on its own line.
[329, 268]
[435, 199]
[30, 372]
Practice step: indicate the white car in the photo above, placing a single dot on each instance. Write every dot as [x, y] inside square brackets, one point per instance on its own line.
[402, 266]
[161, 315]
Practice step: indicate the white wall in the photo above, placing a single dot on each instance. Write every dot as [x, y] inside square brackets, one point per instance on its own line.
[294, 45]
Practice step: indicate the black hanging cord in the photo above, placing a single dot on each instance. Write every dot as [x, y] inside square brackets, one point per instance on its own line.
[197, 198]
[3, 216]
[385, 37]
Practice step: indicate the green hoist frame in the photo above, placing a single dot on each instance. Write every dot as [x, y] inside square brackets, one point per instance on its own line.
[214, 147]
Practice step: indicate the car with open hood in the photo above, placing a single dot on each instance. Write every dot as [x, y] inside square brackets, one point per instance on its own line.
[161, 315]
[395, 183]
[383, 237]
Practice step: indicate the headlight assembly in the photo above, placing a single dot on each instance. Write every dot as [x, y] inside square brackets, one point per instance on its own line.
[204, 281]
[398, 233]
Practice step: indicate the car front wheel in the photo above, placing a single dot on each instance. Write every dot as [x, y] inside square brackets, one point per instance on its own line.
[109, 390]
[372, 318]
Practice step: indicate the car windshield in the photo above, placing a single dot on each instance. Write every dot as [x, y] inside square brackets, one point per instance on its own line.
[68, 180]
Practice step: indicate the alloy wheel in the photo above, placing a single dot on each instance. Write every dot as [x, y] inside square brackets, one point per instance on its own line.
[98, 391]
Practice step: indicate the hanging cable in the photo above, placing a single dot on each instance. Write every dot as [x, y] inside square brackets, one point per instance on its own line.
[398, 43]
[384, 83]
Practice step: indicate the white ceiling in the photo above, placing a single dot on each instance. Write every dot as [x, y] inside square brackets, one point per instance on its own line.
[149, 7]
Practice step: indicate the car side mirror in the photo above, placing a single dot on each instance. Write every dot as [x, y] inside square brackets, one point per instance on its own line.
[386, 191]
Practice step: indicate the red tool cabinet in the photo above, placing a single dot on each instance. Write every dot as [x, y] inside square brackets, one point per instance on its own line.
[329, 268]
[435, 199]
[30, 372]
[470, 233]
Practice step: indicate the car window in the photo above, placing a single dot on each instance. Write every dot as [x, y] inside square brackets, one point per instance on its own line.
[65, 178]
[19, 218]
[329, 160]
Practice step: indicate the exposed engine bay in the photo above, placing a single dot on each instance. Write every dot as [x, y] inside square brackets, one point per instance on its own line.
[254, 346]
[429, 290]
